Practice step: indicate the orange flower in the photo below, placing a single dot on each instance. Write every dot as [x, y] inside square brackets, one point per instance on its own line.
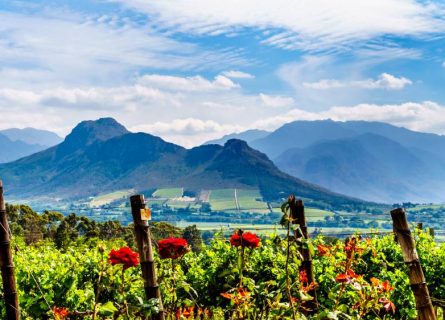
[322, 250]
[60, 313]
[375, 282]
[240, 296]
[387, 286]
[186, 312]
[347, 277]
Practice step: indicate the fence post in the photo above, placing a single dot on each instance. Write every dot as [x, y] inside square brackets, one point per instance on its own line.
[425, 310]
[7, 264]
[298, 217]
[145, 248]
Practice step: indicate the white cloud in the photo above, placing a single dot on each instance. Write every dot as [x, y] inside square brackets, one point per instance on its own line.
[195, 83]
[384, 81]
[188, 126]
[185, 110]
[276, 101]
[425, 116]
[303, 25]
[238, 74]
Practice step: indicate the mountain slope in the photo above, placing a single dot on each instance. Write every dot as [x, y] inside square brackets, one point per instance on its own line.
[300, 134]
[102, 156]
[368, 166]
[414, 161]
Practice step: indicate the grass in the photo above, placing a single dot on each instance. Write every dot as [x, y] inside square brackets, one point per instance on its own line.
[169, 193]
[222, 199]
[109, 197]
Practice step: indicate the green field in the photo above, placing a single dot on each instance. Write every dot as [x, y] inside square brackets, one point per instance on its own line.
[313, 214]
[110, 197]
[169, 193]
[222, 199]
[250, 199]
[179, 204]
[152, 202]
[269, 228]
[426, 207]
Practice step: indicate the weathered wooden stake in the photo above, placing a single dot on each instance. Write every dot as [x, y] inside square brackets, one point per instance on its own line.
[7, 265]
[425, 310]
[145, 248]
[298, 217]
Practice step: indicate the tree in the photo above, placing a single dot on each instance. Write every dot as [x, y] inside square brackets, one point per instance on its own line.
[193, 237]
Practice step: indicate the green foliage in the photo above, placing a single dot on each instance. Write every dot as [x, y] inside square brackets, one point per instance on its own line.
[73, 272]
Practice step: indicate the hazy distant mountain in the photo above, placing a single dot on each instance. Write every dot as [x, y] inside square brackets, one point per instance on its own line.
[248, 136]
[13, 150]
[370, 160]
[32, 136]
[368, 166]
[102, 156]
[18, 143]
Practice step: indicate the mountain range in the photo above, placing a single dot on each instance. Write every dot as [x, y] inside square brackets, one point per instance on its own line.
[103, 156]
[17, 143]
[370, 160]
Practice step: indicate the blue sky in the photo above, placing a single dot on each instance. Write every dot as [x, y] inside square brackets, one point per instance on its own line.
[193, 70]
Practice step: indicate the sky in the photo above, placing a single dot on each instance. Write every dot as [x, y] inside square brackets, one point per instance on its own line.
[194, 70]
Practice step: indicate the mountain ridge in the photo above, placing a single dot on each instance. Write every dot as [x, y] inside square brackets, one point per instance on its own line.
[113, 158]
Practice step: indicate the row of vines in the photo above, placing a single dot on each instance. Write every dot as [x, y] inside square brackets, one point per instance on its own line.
[238, 277]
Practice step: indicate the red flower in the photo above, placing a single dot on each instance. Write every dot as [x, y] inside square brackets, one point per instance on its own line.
[60, 313]
[322, 250]
[388, 305]
[302, 275]
[172, 248]
[124, 256]
[247, 239]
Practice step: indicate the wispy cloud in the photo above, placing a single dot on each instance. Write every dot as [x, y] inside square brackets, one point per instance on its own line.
[299, 25]
[384, 81]
[194, 83]
[238, 74]
[68, 47]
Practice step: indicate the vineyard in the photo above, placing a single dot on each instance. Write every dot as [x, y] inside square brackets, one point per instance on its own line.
[75, 273]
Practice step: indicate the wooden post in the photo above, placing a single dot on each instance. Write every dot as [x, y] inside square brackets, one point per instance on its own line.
[145, 249]
[419, 226]
[7, 265]
[425, 310]
[298, 217]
